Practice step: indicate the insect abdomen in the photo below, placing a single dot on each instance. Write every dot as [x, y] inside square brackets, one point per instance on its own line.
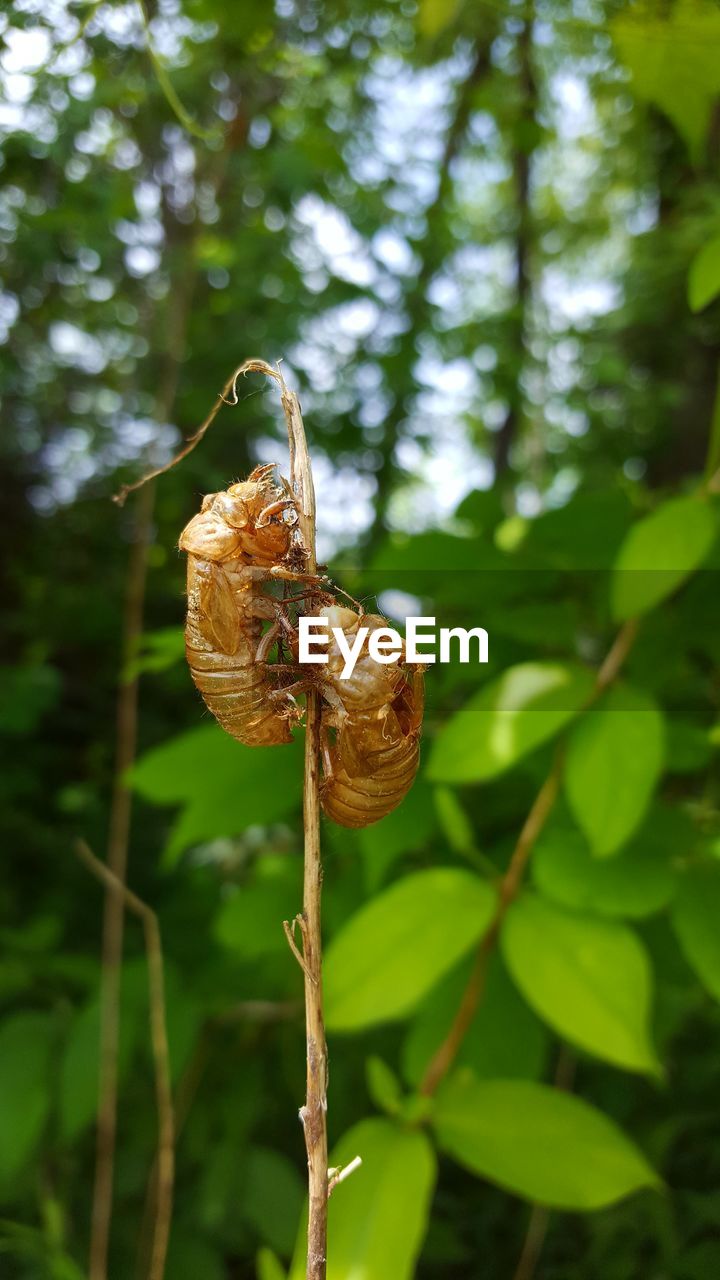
[371, 771]
[362, 800]
[235, 687]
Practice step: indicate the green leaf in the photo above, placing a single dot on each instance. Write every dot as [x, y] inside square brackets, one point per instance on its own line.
[674, 63]
[268, 1266]
[190, 1257]
[435, 15]
[585, 533]
[223, 785]
[687, 748]
[184, 1018]
[507, 719]
[454, 822]
[704, 277]
[434, 553]
[27, 693]
[504, 1039]
[272, 1197]
[158, 651]
[538, 1142]
[407, 828]
[397, 946]
[614, 759]
[635, 883]
[589, 979]
[25, 1073]
[378, 1218]
[383, 1086]
[659, 553]
[250, 919]
[79, 1064]
[696, 921]
[79, 1072]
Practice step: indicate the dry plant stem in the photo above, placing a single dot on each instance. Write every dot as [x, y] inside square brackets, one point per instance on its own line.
[156, 986]
[314, 1113]
[114, 905]
[511, 882]
[533, 1243]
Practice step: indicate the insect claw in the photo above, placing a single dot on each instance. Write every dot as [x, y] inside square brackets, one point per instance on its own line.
[283, 504]
[258, 474]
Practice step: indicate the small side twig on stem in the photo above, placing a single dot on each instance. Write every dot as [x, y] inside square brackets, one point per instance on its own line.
[161, 1056]
[336, 1176]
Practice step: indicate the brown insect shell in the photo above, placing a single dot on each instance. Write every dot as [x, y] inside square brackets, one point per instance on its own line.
[229, 525]
[372, 684]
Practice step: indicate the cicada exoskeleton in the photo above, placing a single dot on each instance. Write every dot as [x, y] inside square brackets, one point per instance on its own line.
[370, 727]
[241, 539]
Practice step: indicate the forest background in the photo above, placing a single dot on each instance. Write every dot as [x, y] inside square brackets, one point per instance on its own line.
[485, 239]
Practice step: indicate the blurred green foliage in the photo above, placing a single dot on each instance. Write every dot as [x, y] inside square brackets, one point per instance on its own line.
[485, 238]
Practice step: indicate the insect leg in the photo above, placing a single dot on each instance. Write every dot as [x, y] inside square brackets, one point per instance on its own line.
[296, 575]
[418, 689]
[300, 686]
[283, 504]
[267, 642]
[262, 472]
[326, 751]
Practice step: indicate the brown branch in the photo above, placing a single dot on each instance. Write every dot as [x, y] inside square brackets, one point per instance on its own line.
[113, 910]
[314, 1113]
[161, 1056]
[511, 882]
[615, 660]
[120, 815]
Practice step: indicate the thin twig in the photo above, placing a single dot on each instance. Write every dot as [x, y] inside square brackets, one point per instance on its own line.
[314, 1113]
[336, 1176]
[187, 448]
[290, 935]
[168, 88]
[113, 910]
[120, 813]
[533, 1242]
[511, 882]
[615, 660]
[161, 1055]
